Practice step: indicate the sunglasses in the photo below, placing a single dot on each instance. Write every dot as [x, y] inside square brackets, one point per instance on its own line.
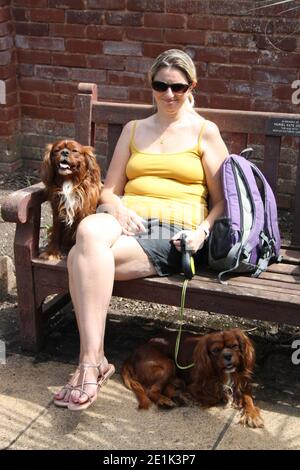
[175, 87]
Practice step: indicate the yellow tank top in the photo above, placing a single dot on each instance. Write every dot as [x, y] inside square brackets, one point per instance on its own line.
[170, 187]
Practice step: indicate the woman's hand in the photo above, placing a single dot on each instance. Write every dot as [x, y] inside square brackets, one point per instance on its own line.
[130, 221]
[194, 240]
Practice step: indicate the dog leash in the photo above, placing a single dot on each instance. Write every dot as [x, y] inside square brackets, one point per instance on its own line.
[188, 268]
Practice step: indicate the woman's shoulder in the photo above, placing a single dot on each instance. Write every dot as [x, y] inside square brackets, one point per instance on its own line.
[211, 129]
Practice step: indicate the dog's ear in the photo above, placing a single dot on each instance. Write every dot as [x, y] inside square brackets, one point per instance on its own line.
[203, 367]
[91, 162]
[247, 350]
[47, 171]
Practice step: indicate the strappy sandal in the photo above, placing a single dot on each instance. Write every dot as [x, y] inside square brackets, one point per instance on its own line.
[61, 402]
[102, 379]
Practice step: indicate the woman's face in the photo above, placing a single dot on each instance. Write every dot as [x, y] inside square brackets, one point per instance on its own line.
[170, 100]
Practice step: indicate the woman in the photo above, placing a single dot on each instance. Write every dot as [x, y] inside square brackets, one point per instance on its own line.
[161, 173]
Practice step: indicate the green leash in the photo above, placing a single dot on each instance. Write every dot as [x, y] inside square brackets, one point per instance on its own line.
[188, 268]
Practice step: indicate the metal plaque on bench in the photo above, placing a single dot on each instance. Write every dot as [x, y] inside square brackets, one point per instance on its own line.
[283, 126]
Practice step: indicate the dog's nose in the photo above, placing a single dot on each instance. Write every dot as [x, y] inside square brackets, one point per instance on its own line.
[227, 357]
[64, 152]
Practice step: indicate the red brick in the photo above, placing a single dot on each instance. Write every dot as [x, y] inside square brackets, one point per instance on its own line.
[109, 33]
[144, 34]
[145, 5]
[106, 4]
[251, 25]
[126, 79]
[29, 98]
[34, 57]
[273, 75]
[229, 71]
[67, 30]
[105, 62]
[202, 100]
[122, 48]
[84, 17]
[20, 14]
[234, 8]
[7, 71]
[153, 50]
[65, 87]
[69, 60]
[216, 38]
[31, 29]
[200, 22]
[280, 59]
[244, 57]
[186, 6]
[139, 65]
[284, 201]
[5, 57]
[63, 115]
[282, 92]
[88, 75]
[31, 3]
[158, 20]
[272, 106]
[213, 85]
[83, 46]
[47, 15]
[52, 73]
[280, 43]
[184, 36]
[262, 90]
[229, 102]
[5, 14]
[11, 85]
[51, 44]
[115, 93]
[124, 18]
[7, 128]
[35, 84]
[140, 95]
[67, 4]
[212, 54]
[239, 87]
[57, 100]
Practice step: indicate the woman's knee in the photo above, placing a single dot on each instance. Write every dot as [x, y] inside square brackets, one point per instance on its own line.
[98, 228]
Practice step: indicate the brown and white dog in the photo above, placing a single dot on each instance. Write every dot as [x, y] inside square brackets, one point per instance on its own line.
[222, 372]
[72, 179]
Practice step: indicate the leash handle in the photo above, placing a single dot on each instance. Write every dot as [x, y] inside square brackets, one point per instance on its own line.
[183, 292]
[187, 260]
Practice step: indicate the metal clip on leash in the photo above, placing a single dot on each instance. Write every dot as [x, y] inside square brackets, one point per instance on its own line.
[188, 268]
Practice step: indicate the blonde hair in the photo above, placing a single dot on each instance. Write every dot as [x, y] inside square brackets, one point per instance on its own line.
[179, 60]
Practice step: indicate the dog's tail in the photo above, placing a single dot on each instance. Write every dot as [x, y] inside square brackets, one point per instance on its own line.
[131, 382]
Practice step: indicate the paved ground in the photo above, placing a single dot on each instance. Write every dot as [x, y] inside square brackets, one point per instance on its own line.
[29, 420]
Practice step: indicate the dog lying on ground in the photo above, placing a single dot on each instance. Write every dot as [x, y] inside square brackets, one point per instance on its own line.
[222, 371]
[72, 179]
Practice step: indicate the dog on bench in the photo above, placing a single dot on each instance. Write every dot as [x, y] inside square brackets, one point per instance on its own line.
[223, 365]
[72, 178]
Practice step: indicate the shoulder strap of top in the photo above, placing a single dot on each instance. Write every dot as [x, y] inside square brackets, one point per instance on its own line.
[132, 134]
[200, 137]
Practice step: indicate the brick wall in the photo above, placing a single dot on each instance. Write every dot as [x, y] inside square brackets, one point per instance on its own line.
[245, 59]
[9, 106]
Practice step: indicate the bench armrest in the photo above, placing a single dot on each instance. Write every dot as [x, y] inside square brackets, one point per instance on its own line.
[17, 206]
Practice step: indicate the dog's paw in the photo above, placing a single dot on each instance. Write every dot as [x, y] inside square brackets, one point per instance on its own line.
[252, 419]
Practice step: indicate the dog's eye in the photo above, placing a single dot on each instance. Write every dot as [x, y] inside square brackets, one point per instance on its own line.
[75, 150]
[216, 350]
[235, 346]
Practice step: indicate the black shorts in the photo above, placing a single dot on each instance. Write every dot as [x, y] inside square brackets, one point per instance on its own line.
[163, 254]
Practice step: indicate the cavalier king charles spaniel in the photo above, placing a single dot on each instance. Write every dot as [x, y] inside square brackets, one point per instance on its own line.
[73, 183]
[221, 373]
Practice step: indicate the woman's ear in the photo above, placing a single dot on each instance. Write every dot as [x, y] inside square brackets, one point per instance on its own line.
[47, 172]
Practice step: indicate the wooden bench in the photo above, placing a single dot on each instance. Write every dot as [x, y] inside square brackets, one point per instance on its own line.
[275, 296]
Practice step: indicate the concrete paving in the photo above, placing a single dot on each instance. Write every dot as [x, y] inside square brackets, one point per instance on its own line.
[29, 419]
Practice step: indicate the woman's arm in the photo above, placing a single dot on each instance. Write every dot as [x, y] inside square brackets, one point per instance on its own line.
[115, 182]
[214, 154]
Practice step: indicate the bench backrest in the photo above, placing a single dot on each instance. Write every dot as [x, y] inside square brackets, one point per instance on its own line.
[90, 112]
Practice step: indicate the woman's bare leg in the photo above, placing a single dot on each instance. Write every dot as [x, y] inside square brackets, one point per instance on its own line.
[101, 253]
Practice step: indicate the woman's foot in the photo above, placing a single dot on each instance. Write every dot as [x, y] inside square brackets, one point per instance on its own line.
[90, 378]
[61, 398]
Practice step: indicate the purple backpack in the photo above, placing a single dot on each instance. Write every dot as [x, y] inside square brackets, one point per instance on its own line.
[246, 239]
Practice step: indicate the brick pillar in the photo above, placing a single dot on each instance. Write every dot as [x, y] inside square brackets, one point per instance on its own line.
[9, 105]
